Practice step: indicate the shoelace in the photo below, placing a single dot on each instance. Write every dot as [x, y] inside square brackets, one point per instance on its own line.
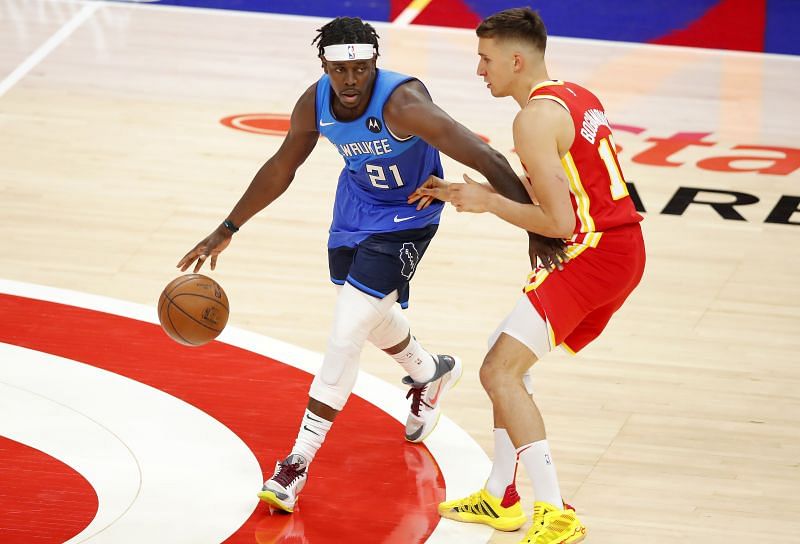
[415, 393]
[475, 499]
[469, 503]
[538, 515]
[538, 523]
[288, 473]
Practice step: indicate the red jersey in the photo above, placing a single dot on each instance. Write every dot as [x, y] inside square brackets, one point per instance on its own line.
[599, 194]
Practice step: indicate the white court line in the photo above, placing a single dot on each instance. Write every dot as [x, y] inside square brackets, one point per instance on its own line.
[47, 47]
[150, 457]
[463, 463]
[408, 15]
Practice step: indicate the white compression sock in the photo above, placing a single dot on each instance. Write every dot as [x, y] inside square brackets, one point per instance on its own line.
[504, 465]
[313, 430]
[416, 361]
[394, 329]
[355, 315]
[542, 471]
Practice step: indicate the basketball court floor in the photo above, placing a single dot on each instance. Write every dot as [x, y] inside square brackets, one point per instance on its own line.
[127, 132]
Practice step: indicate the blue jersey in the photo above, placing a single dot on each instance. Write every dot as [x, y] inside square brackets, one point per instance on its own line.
[380, 171]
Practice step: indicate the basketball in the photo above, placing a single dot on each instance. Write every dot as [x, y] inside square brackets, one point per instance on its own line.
[193, 309]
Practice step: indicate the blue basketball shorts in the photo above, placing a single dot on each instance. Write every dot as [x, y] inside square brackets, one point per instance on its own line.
[382, 262]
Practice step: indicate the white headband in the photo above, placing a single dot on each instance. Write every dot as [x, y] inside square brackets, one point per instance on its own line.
[349, 51]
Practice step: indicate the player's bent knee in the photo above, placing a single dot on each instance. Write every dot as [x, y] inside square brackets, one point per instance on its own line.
[339, 356]
[334, 393]
[492, 375]
[486, 377]
[500, 371]
[357, 314]
[335, 380]
[332, 396]
[390, 332]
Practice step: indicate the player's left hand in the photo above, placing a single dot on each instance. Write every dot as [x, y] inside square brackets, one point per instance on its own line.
[433, 189]
[471, 196]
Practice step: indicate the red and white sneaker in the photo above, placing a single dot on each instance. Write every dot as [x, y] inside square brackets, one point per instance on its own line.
[286, 483]
[426, 397]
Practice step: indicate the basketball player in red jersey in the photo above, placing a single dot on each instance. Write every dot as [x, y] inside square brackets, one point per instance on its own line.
[574, 179]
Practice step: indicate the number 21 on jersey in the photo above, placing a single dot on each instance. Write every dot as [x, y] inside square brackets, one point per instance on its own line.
[377, 176]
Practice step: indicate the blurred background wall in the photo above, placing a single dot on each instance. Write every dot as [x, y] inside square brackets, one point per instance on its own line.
[748, 25]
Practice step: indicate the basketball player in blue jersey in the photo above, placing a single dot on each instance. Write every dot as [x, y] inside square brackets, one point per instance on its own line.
[388, 131]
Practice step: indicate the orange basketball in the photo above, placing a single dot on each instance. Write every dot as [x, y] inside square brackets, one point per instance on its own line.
[193, 309]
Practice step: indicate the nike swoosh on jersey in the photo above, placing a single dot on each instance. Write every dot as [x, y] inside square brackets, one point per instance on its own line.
[401, 219]
[324, 124]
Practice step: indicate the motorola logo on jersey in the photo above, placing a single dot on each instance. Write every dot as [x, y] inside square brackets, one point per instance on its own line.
[374, 125]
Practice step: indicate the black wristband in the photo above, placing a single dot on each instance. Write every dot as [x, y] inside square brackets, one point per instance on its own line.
[228, 224]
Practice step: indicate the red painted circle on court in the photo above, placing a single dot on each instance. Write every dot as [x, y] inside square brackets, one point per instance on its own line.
[367, 483]
[42, 500]
[273, 124]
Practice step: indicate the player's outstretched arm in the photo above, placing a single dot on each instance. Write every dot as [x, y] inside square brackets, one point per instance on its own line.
[410, 111]
[271, 180]
[537, 130]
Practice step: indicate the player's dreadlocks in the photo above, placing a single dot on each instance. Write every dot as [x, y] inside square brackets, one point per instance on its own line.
[345, 30]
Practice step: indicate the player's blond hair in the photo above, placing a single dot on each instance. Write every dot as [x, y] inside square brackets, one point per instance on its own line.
[522, 24]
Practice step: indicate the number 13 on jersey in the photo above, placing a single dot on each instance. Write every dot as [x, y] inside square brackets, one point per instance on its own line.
[618, 187]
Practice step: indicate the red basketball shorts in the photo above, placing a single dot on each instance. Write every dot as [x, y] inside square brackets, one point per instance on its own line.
[578, 301]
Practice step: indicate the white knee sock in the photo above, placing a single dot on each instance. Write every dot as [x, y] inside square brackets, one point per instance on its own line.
[311, 436]
[542, 471]
[415, 360]
[391, 330]
[504, 465]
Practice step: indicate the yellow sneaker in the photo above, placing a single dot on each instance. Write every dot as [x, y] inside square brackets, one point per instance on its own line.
[553, 525]
[481, 507]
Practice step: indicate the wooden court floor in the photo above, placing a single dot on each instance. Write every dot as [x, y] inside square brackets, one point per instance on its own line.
[679, 424]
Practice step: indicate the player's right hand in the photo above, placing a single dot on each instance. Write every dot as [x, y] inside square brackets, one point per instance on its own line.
[211, 246]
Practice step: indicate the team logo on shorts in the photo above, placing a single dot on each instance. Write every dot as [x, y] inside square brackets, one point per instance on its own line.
[409, 256]
[374, 125]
